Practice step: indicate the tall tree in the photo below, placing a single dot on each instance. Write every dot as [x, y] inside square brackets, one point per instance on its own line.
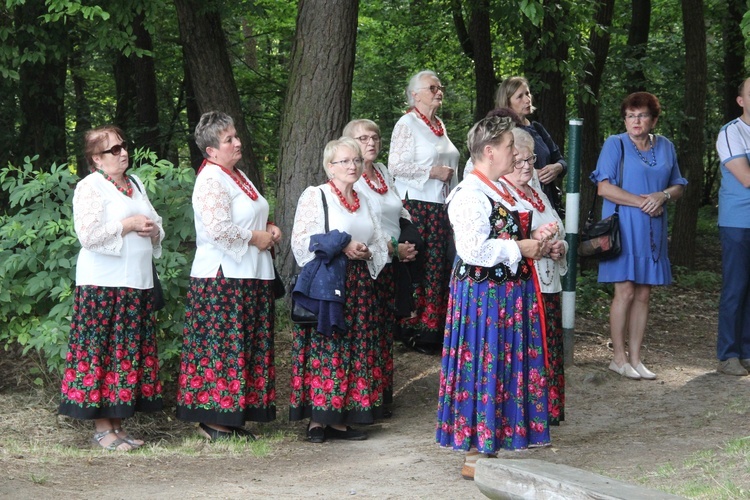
[42, 84]
[691, 147]
[210, 71]
[733, 71]
[640, 24]
[589, 97]
[476, 43]
[317, 102]
[546, 48]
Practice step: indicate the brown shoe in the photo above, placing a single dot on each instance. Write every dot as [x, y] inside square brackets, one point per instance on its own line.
[732, 366]
[467, 471]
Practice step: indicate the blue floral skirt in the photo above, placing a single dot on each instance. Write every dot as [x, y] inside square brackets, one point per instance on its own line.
[493, 382]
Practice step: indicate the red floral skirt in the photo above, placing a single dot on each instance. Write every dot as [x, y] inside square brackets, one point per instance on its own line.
[338, 379]
[112, 365]
[227, 371]
[385, 287]
[555, 353]
[430, 296]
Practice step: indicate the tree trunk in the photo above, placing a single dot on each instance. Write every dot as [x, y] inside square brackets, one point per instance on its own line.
[42, 88]
[207, 59]
[477, 45]
[588, 101]
[734, 57]
[82, 110]
[147, 105]
[317, 104]
[640, 22]
[546, 80]
[692, 146]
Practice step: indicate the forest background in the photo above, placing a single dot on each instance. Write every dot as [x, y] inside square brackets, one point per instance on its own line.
[292, 74]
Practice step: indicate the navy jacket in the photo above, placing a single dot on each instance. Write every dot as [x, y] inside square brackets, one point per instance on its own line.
[320, 287]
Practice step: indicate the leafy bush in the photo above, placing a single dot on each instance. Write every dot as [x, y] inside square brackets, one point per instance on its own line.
[38, 252]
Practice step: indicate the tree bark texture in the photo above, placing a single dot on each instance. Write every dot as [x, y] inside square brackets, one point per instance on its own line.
[316, 107]
[477, 45]
[588, 102]
[640, 23]
[210, 69]
[547, 82]
[734, 57]
[691, 149]
[42, 88]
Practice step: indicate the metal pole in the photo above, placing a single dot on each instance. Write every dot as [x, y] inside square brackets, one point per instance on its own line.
[572, 212]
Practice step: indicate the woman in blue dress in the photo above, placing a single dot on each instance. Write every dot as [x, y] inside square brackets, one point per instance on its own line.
[650, 179]
[493, 381]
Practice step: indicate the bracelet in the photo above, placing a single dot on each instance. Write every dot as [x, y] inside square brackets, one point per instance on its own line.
[394, 244]
[666, 193]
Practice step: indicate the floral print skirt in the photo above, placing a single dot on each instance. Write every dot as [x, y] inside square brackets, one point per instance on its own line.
[338, 379]
[555, 355]
[227, 371]
[385, 287]
[493, 381]
[430, 296]
[112, 364]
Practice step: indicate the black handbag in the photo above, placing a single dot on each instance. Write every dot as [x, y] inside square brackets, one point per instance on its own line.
[601, 240]
[278, 284]
[300, 315]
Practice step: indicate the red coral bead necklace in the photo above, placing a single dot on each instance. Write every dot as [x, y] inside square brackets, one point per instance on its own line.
[536, 202]
[438, 131]
[352, 207]
[380, 190]
[238, 177]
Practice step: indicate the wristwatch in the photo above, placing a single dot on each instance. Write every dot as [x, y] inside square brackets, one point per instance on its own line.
[666, 193]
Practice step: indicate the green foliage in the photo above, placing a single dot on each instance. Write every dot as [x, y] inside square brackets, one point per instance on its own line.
[38, 251]
[592, 296]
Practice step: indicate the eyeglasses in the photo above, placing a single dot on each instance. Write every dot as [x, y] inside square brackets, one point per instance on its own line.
[434, 88]
[364, 139]
[116, 149]
[346, 163]
[530, 161]
[641, 116]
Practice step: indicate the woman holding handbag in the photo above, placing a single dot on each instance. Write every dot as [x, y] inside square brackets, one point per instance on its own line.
[650, 179]
[334, 381]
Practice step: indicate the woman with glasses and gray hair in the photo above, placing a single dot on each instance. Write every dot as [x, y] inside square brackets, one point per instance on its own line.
[334, 381]
[493, 379]
[227, 371]
[112, 365]
[423, 160]
[524, 184]
[394, 283]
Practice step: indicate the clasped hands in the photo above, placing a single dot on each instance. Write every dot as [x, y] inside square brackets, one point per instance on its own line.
[144, 227]
[543, 242]
[356, 250]
[265, 240]
[652, 204]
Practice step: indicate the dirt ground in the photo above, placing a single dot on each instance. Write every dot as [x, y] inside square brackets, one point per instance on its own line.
[656, 433]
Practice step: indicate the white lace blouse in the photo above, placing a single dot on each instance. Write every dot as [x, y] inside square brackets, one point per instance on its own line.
[362, 225]
[548, 270]
[469, 212]
[225, 218]
[415, 149]
[387, 207]
[107, 258]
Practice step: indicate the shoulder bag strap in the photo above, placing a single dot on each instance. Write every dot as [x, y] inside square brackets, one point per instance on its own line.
[325, 207]
[619, 181]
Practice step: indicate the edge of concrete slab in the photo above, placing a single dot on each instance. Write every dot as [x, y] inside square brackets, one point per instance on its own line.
[514, 479]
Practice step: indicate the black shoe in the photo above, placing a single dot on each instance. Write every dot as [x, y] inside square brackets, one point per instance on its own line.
[349, 434]
[215, 434]
[241, 432]
[316, 434]
[386, 414]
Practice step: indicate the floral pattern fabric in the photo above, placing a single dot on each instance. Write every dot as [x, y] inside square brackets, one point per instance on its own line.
[227, 371]
[385, 286]
[430, 296]
[338, 379]
[112, 365]
[555, 356]
[493, 381]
